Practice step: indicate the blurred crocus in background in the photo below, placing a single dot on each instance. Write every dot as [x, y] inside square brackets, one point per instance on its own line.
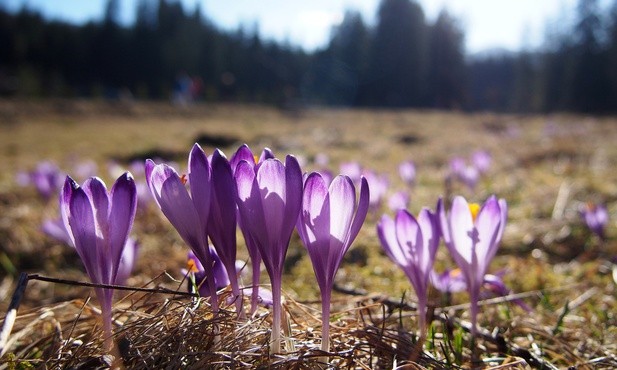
[407, 172]
[269, 202]
[472, 235]
[595, 217]
[378, 183]
[352, 169]
[187, 213]
[398, 200]
[329, 222]
[481, 160]
[46, 178]
[99, 223]
[412, 243]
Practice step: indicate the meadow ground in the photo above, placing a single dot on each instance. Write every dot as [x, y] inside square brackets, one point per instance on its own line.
[545, 167]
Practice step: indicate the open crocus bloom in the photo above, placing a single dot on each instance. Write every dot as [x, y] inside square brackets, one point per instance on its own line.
[472, 235]
[328, 224]
[412, 244]
[99, 222]
[187, 213]
[269, 201]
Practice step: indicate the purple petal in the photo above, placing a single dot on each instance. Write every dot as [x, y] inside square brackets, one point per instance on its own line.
[222, 221]
[65, 203]
[83, 228]
[123, 207]
[177, 206]
[430, 239]
[243, 153]
[386, 231]
[462, 230]
[200, 183]
[488, 224]
[342, 205]
[97, 192]
[361, 211]
[314, 226]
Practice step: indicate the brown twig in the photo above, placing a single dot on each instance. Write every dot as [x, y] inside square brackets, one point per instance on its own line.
[110, 286]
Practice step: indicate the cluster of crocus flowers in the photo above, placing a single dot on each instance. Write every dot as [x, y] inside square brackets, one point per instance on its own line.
[329, 222]
[472, 235]
[99, 222]
[469, 174]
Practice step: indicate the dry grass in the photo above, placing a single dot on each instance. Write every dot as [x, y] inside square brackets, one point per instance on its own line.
[562, 272]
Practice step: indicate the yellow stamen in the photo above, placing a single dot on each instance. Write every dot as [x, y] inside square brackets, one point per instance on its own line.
[191, 265]
[474, 208]
[256, 159]
[184, 179]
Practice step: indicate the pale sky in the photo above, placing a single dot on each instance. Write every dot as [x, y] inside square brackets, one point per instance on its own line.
[509, 24]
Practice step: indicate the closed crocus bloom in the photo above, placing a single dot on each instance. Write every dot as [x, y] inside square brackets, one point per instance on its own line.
[472, 235]
[329, 222]
[187, 213]
[99, 222]
[269, 201]
[412, 243]
[244, 153]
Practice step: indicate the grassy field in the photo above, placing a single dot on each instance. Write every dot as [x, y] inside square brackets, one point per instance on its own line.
[545, 167]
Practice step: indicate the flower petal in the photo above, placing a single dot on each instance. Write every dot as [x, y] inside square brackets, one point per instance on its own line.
[83, 228]
[122, 215]
[461, 228]
[222, 221]
[177, 206]
[200, 183]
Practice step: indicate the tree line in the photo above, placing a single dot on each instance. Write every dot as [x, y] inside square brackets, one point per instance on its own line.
[404, 60]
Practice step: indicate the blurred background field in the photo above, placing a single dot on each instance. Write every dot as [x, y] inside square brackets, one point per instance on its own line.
[546, 167]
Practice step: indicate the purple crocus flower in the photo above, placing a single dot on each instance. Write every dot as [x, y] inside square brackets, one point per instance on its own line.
[245, 153]
[187, 213]
[329, 222]
[99, 223]
[379, 187]
[472, 235]
[481, 160]
[407, 172]
[449, 281]
[269, 201]
[398, 200]
[353, 170]
[46, 178]
[412, 243]
[222, 221]
[595, 217]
